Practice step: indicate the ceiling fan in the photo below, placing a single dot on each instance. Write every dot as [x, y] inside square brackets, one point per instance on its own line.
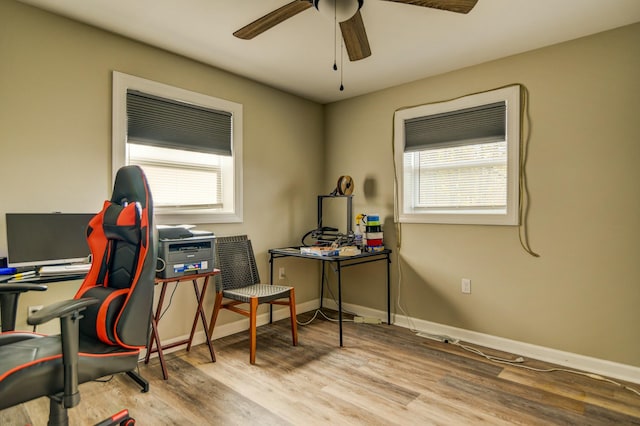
[347, 13]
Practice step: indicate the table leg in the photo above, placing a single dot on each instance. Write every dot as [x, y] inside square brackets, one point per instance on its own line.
[203, 318]
[322, 285]
[271, 283]
[340, 300]
[155, 336]
[388, 290]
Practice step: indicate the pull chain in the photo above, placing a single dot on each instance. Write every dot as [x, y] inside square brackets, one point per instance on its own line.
[335, 30]
[341, 62]
[335, 44]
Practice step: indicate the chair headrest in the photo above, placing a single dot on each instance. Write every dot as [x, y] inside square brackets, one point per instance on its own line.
[129, 187]
[122, 222]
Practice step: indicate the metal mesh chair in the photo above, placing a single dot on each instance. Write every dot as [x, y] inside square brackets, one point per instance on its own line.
[239, 281]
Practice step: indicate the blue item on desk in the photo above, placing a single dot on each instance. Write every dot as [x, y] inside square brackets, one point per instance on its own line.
[8, 271]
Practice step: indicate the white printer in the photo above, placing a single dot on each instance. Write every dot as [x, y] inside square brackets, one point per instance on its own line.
[183, 251]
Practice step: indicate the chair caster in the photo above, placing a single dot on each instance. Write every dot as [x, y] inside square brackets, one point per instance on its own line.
[122, 418]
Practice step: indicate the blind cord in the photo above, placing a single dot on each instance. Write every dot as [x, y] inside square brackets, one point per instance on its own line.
[523, 200]
[523, 204]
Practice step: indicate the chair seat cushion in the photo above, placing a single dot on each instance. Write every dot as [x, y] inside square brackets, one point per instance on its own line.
[33, 367]
[264, 293]
[9, 337]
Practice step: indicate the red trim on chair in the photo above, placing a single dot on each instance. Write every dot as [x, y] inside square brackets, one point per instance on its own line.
[87, 355]
[97, 245]
[27, 365]
[101, 319]
[81, 292]
[58, 356]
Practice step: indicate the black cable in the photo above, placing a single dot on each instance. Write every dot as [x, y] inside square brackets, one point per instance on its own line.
[170, 300]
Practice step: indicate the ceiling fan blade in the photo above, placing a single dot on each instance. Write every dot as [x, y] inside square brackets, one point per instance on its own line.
[458, 6]
[355, 37]
[272, 19]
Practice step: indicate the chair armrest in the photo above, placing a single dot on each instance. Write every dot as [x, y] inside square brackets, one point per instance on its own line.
[21, 288]
[69, 313]
[60, 309]
[9, 294]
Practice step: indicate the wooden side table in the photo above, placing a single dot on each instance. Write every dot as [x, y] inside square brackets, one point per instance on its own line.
[155, 319]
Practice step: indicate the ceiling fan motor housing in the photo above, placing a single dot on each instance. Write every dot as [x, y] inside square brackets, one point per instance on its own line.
[341, 10]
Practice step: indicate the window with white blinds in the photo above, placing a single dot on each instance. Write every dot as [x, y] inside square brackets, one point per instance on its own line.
[179, 178]
[460, 160]
[188, 144]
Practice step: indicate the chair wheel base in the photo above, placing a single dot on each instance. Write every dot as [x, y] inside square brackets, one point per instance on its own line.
[121, 418]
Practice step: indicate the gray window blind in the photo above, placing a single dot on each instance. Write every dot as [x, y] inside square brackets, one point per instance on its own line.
[482, 124]
[166, 123]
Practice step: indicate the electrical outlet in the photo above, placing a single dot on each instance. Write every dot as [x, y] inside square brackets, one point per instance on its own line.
[33, 309]
[466, 286]
[281, 274]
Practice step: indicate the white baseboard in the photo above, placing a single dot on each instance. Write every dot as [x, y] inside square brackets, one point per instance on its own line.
[567, 359]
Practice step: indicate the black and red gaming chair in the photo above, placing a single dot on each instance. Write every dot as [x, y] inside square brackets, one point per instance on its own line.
[107, 323]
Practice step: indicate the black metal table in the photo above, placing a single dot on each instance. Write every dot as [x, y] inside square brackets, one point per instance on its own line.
[340, 262]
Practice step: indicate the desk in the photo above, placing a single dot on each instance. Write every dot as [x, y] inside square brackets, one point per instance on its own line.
[37, 279]
[9, 299]
[340, 262]
[155, 319]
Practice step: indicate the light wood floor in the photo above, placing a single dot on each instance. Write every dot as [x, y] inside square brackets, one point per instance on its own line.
[383, 375]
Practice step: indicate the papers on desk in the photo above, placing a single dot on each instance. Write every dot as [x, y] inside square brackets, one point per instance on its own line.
[64, 270]
[350, 251]
[19, 277]
[319, 251]
[328, 251]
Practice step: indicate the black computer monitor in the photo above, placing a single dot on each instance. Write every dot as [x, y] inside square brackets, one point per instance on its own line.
[36, 239]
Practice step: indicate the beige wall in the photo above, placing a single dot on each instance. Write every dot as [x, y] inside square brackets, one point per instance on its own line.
[581, 295]
[55, 133]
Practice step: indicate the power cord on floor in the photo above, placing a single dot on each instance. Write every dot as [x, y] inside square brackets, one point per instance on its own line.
[519, 362]
[104, 380]
[319, 312]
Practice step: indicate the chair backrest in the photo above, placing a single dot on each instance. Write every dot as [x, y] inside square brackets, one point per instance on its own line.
[236, 261]
[123, 244]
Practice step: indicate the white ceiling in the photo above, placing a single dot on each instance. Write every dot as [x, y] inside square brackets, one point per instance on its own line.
[407, 42]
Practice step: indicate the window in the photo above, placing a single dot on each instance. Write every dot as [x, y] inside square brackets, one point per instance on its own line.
[188, 144]
[458, 161]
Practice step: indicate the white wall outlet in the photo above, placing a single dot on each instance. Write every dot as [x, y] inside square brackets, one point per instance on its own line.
[466, 286]
[33, 309]
[281, 274]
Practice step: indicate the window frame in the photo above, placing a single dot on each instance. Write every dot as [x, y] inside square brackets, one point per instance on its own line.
[123, 82]
[511, 96]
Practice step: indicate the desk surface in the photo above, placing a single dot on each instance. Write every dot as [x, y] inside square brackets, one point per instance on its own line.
[40, 280]
[295, 251]
[340, 262]
[159, 280]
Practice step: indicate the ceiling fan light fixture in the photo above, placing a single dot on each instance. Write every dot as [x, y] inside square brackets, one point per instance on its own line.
[340, 10]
